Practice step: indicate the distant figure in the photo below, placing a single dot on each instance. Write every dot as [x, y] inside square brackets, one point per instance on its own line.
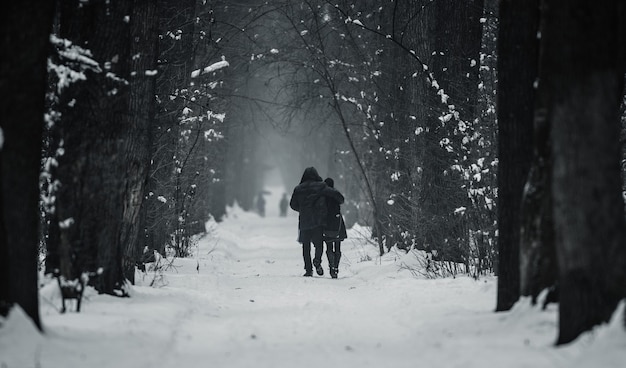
[283, 205]
[308, 199]
[260, 204]
[334, 231]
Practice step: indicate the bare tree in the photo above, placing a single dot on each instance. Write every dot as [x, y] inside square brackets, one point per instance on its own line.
[398, 154]
[176, 35]
[187, 137]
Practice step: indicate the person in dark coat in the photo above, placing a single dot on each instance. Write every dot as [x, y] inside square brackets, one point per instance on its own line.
[309, 199]
[334, 231]
[260, 204]
[283, 205]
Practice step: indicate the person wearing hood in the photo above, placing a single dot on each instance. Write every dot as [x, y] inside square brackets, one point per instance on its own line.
[309, 199]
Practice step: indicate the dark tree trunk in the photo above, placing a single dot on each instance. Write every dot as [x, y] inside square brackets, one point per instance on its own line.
[144, 24]
[95, 130]
[516, 75]
[583, 107]
[25, 30]
[538, 263]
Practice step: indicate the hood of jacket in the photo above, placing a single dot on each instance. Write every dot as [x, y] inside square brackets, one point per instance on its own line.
[310, 174]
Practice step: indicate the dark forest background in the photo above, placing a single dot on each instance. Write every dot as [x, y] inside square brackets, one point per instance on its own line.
[488, 134]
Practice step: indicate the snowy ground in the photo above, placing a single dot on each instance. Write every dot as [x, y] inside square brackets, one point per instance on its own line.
[241, 301]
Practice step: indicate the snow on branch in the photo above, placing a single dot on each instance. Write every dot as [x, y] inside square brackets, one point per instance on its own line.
[211, 68]
[69, 63]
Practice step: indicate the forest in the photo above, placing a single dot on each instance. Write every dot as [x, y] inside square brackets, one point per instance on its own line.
[490, 134]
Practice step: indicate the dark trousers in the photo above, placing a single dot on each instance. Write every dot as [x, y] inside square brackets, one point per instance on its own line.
[333, 252]
[312, 236]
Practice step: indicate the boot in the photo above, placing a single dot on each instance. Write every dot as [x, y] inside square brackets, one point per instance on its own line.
[331, 260]
[335, 265]
[319, 269]
[333, 272]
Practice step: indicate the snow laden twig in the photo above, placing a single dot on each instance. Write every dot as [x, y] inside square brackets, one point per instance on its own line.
[71, 63]
[450, 118]
[211, 68]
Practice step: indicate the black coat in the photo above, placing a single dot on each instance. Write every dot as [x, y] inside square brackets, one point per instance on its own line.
[335, 227]
[308, 199]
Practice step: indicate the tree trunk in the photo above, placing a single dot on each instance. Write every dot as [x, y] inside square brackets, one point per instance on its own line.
[584, 103]
[538, 264]
[95, 129]
[142, 110]
[517, 36]
[25, 28]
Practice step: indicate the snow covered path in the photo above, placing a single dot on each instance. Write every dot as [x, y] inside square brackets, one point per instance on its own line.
[241, 301]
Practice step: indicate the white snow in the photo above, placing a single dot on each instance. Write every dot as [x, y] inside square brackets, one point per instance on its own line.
[460, 210]
[211, 68]
[358, 23]
[241, 301]
[65, 224]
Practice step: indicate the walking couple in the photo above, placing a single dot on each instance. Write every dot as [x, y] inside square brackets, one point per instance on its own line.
[320, 220]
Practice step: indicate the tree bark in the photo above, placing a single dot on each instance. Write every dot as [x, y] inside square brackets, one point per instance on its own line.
[144, 24]
[585, 93]
[25, 30]
[95, 129]
[517, 35]
[538, 264]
